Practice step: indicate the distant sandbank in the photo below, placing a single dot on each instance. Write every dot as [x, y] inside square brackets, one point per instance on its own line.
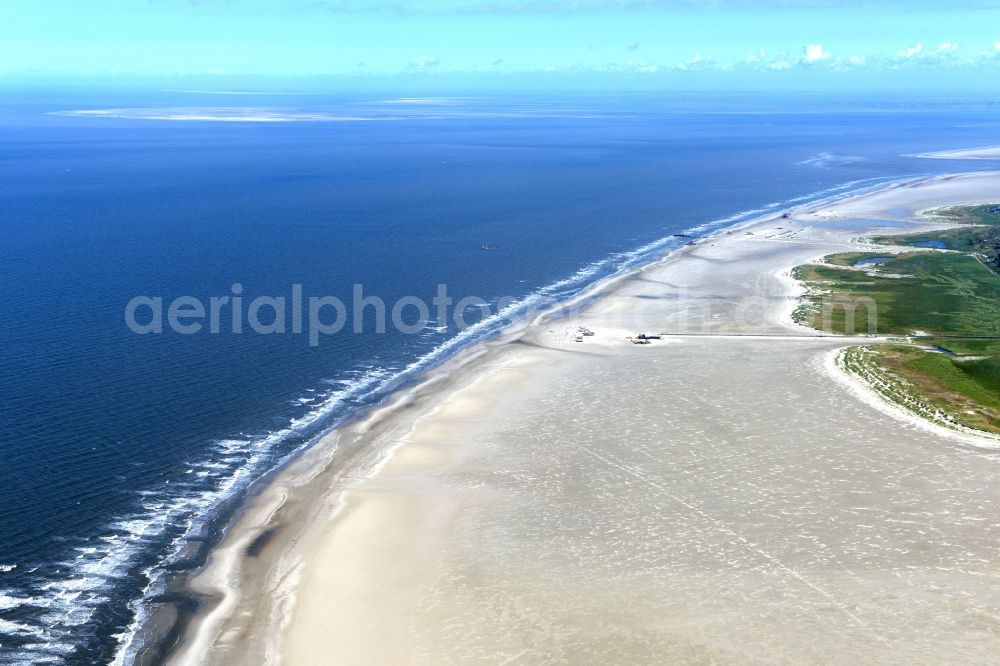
[987, 153]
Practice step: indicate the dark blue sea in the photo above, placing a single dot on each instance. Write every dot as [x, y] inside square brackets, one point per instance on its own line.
[121, 451]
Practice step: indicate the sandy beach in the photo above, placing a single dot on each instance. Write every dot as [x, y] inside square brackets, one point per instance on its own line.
[720, 496]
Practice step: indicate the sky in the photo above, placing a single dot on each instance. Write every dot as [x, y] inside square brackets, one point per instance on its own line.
[572, 43]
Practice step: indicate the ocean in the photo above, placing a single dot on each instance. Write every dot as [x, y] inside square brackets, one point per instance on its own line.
[124, 454]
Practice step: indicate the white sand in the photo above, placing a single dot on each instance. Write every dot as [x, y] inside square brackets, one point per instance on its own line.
[710, 499]
[987, 153]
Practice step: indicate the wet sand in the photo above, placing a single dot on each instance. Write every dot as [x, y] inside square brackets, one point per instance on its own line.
[720, 496]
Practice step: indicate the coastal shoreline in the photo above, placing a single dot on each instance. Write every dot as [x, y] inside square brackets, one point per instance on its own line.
[164, 623]
[310, 499]
[982, 153]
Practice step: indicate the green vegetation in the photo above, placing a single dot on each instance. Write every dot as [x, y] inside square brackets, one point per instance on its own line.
[939, 293]
[946, 298]
[988, 214]
[979, 235]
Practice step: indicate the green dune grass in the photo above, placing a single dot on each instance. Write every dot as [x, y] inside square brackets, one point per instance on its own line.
[933, 292]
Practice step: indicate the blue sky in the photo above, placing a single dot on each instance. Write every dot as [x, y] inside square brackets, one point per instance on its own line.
[669, 43]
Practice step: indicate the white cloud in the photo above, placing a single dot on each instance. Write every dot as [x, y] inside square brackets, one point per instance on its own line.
[911, 52]
[946, 53]
[631, 65]
[816, 59]
[695, 63]
[814, 53]
[991, 55]
[424, 62]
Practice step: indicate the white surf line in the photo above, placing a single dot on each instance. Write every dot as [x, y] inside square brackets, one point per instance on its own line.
[749, 545]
